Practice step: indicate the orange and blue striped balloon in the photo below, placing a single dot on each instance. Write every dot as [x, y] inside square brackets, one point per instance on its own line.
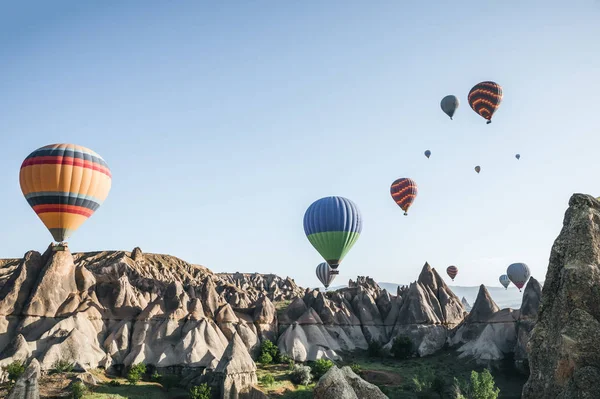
[404, 192]
[64, 184]
[485, 98]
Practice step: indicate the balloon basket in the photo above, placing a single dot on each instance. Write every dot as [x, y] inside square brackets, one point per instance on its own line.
[59, 247]
[334, 271]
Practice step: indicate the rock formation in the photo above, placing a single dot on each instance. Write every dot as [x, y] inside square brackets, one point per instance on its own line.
[532, 296]
[564, 353]
[344, 384]
[466, 304]
[27, 386]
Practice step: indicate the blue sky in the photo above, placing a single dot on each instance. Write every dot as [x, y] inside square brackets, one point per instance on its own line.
[222, 123]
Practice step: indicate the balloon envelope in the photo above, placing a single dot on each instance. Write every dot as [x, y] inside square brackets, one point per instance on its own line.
[64, 184]
[504, 280]
[518, 273]
[332, 225]
[449, 105]
[324, 274]
[518, 156]
[485, 98]
[452, 271]
[427, 153]
[404, 191]
[477, 169]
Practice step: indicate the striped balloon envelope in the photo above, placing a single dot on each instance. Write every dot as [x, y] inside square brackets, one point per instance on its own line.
[404, 191]
[485, 98]
[64, 184]
[332, 225]
[324, 274]
[452, 271]
[504, 280]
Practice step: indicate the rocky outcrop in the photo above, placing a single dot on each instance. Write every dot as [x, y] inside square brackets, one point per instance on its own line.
[466, 304]
[27, 386]
[532, 296]
[236, 372]
[344, 384]
[428, 310]
[564, 356]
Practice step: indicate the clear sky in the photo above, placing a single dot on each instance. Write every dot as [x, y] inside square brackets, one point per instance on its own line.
[223, 121]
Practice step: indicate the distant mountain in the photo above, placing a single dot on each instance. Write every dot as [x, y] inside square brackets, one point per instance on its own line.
[505, 298]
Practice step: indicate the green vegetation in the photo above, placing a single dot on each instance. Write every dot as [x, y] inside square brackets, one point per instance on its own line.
[356, 369]
[402, 348]
[423, 381]
[480, 386]
[375, 349]
[291, 365]
[143, 390]
[136, 372]
[62, 366]
[78, 389]
[267, 380]
[320, 367]
[301, 375]
[155, 377]
[200, 392]
[14, 370]
[269, 353]
[114, 383]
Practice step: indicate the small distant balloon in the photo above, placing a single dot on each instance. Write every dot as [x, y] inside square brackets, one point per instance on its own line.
[505, 281]
[452, 271]
[477, 168]
[518, 156]
[485, 98]
[518, 273]
[428, 153]
[449, 105]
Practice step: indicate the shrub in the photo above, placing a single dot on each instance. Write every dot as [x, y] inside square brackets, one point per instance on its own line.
[78, 389]
[320, 367]
[265, 358]
[268, 347]
[291, 365]
[375, 349]
[14, 370]
[62, 366]
[201, 391]
[114, 383]
[424, 380]
[284, 359]
[155, 377]
[169, 381]
[267, 380]
[301, 375]
[438, 385]
[480, 386]
[402, 348]
[135, 373]
[356, 369]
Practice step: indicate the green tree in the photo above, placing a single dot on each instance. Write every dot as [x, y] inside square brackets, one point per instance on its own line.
[14, 370]
[265, 358]
[375, 349]
[320, 367]
[135, 373]
[267, 380]
[480, 386]
[301, 375]
[201, 391]
[268, 347]
[402, 348]
[78, 389]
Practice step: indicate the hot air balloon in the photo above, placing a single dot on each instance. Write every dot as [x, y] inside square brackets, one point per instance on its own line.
[505, 281]
[324, 274]
[404, 192]
[485, 98]
[449, 105]
[427, 153]
[452, 271]
[64, 184]
[477, 168]
[332, 225]
[518, 156]
[518, 273]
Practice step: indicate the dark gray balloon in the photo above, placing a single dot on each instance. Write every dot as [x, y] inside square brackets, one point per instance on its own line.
[449, 105]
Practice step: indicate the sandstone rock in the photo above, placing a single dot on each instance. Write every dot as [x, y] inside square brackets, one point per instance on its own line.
[27, 386]
[565, 356]
[15, 292]
[532, 296]
[236, 370]
[466, 304]
[344, 384]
